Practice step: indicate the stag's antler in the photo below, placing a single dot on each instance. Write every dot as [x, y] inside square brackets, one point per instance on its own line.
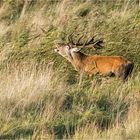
[95, 43]
[78, 43]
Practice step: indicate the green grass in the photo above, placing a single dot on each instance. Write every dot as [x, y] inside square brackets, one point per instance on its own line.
[40, 94]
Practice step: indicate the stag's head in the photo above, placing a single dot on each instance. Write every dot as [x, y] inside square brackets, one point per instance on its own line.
[65, 50]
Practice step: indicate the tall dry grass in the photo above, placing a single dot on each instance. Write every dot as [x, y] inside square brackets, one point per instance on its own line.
[38, 102]
[29, 99]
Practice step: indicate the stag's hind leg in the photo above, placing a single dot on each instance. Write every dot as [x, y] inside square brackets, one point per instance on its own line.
[119, 73]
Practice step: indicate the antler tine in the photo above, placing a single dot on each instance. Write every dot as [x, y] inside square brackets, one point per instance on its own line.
[73, 43]
[92, 39]
[85, 43]
[70, 39]
[88, 42]
[78, 42]
[96, 44]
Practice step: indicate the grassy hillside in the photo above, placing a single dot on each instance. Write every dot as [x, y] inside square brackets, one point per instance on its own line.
[40, 94]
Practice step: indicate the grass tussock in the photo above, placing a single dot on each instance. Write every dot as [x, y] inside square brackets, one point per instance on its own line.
[41, 96]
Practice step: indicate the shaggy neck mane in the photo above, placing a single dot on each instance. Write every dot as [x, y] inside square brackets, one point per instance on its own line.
[77, 60]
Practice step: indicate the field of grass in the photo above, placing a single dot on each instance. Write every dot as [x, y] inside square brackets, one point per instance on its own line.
[40, 94]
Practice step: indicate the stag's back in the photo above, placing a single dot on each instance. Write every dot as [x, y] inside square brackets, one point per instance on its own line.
[106, 65]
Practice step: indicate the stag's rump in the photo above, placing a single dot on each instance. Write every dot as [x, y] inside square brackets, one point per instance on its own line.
[128, 70]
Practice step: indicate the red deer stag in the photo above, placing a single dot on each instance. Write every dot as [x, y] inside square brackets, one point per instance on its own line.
[92, 64]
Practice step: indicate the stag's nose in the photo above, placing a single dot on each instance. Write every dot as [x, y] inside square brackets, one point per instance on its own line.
[56, 50]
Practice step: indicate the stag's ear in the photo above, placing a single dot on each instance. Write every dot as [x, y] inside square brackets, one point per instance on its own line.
[75, 49]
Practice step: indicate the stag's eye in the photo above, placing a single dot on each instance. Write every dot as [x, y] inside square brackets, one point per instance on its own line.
[68, 47]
